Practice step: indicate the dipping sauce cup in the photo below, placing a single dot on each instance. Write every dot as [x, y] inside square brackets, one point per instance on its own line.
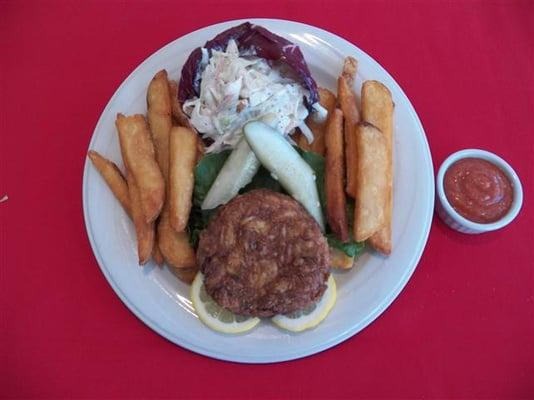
[461, 223]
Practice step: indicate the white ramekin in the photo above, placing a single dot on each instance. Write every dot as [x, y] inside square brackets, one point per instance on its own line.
[449, 215]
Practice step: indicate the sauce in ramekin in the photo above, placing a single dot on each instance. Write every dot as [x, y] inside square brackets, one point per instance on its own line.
[478, 190]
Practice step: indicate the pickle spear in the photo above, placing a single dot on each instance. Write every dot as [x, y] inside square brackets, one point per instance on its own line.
[237, 172]
[285, 164]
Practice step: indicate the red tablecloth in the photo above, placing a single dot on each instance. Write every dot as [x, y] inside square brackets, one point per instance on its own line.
[463, 326]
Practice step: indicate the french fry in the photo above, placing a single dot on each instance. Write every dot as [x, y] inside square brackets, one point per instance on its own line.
[175, 104]
[177, 111]
[159, 115]
[183, 156]
[372, 181]
[301, 141]
[139, 157]
[159, 118]
[186, 275]
[347, 102]
[156, 254]
[336, 212]
[201, 149]
[350, 67]
[144, 231]
[377, 109]
[174, 245]
[340, 260]
[113, 177]
[182, 119]
[118, 185]
[327, 99]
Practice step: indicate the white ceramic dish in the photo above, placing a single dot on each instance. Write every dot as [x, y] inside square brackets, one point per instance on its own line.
[449, 215]
[162, 302]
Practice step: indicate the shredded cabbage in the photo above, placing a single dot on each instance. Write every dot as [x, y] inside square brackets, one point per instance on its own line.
[236, 89]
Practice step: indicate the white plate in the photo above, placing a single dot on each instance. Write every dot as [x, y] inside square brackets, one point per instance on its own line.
[162, 302]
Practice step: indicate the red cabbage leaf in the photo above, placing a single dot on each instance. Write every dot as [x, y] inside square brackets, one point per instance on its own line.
[249, 37]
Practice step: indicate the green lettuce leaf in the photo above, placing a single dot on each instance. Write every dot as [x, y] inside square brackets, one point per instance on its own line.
[263, 180]
[351, 248]
[317, 164]
[198, 221]
[206, 171]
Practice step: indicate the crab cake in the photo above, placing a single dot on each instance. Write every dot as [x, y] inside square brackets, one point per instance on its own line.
[262, 255]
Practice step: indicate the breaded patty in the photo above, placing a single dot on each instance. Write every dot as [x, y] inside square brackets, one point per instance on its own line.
[262, 255]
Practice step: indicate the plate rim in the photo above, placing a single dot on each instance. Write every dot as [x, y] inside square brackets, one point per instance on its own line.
[336, 339]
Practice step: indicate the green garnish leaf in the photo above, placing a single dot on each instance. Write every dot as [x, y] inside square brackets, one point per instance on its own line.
[351, 248]
[317, 163]
[263, 180]
[206, 171]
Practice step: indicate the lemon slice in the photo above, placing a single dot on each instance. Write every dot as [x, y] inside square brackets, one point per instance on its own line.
[213, 315]
[312, 315]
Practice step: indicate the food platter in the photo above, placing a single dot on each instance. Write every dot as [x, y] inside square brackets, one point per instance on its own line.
[162, 302]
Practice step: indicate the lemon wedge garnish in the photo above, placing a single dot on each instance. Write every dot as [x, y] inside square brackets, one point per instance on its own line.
[311, 316]
[213, 315]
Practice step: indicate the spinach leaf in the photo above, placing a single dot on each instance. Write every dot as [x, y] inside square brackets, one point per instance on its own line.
[351, 248]
[198, 221]
[317, 164]
[262, 180]
[206, 171]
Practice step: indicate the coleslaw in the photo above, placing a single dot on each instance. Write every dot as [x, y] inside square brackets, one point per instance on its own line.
[237, 88]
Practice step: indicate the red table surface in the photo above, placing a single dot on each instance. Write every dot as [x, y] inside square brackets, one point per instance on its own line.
[462, 327]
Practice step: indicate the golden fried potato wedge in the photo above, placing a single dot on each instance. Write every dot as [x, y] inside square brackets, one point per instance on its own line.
[118, 185]
[372, 181]
[336, 212]
[113, 177]
[139, 157]
[348, 104]
[377, 109]
[174, 246]
[159, 116]
[350, 67]
[182, 119]
[183, 156]
[177, 111]
[201, 149]
[173, 91]
[186, 275]
[327, 99]
[340, 260]
[145, 231]
[301, 141]
[156, 254]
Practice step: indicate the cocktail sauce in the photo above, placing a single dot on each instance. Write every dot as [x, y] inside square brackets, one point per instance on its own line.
[478, 190]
